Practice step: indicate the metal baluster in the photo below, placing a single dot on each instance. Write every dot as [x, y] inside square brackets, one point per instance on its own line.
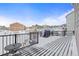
[22, 40]
[19, 39]
[29, 37]
[9, 39]
[37, 37]
[15, 38]
[2, 45]
[6, 42]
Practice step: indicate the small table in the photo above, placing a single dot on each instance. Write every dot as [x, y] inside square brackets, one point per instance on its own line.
[12, 48]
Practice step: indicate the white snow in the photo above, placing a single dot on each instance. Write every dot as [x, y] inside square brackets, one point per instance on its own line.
[43, 40]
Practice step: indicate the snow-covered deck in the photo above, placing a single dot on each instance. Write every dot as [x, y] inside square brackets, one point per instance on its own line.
[52, 46]
[43, 41]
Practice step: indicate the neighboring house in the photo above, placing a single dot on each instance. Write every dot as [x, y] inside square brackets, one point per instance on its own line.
[2, 28]
[59, 29]
[5, 30]
[17, 27]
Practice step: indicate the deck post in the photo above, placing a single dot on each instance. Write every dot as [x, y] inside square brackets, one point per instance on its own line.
[15, 38]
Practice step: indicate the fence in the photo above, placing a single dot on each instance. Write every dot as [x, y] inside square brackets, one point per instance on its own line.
[24, 38]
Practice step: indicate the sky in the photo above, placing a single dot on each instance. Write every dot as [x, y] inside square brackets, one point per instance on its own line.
[34, 13]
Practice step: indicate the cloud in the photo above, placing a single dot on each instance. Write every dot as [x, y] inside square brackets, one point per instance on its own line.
[49, 21]
[29, 21]
[56, 21]
[4, 21]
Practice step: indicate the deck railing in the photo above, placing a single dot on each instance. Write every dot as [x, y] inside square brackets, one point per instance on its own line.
[24, 38]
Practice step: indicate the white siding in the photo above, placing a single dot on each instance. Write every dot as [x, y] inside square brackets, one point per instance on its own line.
[70, 21]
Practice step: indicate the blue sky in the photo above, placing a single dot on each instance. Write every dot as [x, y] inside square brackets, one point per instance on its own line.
[34, 13]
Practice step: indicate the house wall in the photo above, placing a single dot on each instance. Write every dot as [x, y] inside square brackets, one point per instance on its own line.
[70, 21]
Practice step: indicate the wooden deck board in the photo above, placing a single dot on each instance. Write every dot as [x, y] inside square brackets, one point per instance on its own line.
[59, 47]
